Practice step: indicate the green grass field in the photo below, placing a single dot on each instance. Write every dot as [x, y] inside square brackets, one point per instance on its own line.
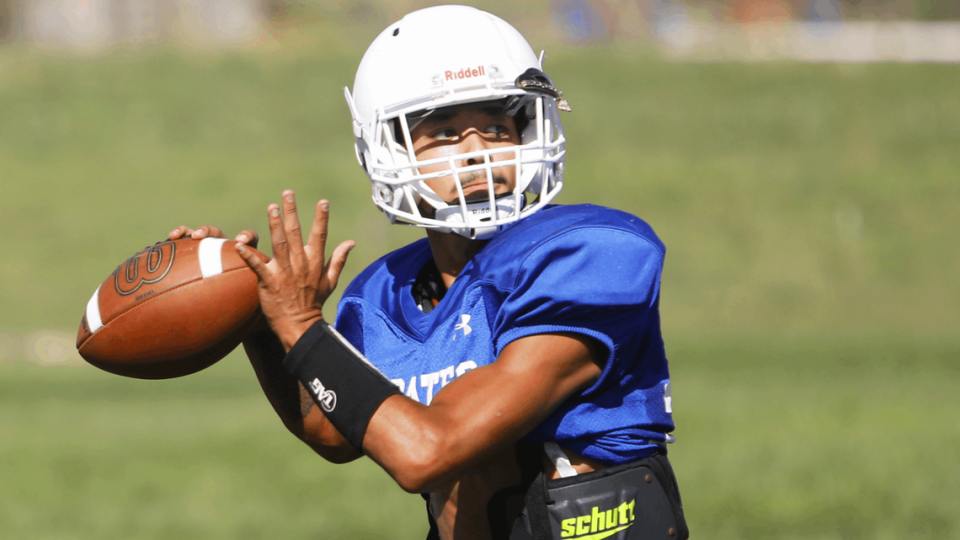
[810, 299]
[811, 441]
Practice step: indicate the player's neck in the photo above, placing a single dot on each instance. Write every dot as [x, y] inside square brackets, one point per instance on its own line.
[452, 252]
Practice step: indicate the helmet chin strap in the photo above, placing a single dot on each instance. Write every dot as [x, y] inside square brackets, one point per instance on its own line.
[477, 213]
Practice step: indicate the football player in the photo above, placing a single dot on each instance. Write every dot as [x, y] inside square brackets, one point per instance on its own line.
[510, 365]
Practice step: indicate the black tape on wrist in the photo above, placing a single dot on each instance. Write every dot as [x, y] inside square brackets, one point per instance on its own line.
[346, 386]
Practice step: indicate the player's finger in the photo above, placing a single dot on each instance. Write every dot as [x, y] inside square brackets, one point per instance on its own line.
[248, 237]
[337, 260]
[278, 239]
[291, 228]
[318, 232]
[180, 232]
[256, 261]
[206, 231]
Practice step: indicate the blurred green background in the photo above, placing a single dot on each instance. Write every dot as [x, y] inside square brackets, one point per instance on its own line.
[810, 296]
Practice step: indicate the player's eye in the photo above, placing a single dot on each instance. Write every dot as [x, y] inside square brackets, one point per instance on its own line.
[444, 134]
[498, 129]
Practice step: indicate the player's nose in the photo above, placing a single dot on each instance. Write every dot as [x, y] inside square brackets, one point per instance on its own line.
[473, 142]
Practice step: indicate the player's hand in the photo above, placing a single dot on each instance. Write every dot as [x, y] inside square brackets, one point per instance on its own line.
[247, 237]
[296, 283]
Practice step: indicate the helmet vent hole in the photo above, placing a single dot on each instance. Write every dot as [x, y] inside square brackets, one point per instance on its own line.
[396, 32]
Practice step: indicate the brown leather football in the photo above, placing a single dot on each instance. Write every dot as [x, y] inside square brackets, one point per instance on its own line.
[171, 310]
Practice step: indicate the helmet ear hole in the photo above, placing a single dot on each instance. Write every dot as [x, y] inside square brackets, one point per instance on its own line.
[361, 150]
[398, 132]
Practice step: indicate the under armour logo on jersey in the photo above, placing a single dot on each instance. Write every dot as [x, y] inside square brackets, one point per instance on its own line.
[464, 320]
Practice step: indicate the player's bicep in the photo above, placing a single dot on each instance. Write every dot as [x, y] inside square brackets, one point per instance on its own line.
[559, 364]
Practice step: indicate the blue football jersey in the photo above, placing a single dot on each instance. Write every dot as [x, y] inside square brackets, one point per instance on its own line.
[583, 269]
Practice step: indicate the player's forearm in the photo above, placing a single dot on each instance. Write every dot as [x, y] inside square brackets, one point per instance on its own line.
[425, 448]
[291, 402]
[417, 448]
[478, 414]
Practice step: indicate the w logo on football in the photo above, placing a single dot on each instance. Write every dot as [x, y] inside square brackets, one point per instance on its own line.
[463, 325]
[149, 266]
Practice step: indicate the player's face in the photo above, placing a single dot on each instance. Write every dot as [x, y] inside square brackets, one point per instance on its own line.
[463, 130]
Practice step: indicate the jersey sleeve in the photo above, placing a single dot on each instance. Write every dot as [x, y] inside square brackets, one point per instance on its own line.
[597, 281]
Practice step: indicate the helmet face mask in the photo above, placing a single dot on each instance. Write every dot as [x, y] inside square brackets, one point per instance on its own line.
[420, 81]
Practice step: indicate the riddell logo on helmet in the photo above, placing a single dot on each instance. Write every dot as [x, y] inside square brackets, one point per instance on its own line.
[464, 73]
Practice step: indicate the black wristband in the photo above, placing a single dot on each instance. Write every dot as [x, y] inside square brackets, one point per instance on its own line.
[346, 386]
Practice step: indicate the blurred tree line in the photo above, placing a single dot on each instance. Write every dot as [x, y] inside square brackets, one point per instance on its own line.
[368, 11]
[6, 20]
[924, 10]
[379, 13]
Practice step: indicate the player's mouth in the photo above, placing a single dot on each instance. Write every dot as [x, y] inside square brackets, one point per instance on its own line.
[474, 185]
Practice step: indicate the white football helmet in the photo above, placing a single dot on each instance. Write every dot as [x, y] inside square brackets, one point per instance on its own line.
[447, 56]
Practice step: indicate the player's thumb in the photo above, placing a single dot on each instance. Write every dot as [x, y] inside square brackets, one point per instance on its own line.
[337, 261]
[255, 259]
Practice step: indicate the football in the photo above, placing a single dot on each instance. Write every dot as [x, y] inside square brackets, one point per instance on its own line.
[170, 310]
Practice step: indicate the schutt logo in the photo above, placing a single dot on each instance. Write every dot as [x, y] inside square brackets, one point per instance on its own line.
[598, 523]
[149, 266]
